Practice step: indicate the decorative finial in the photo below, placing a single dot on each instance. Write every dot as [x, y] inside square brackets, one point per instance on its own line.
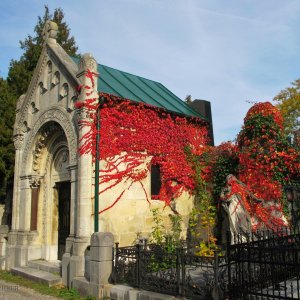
[50, 31]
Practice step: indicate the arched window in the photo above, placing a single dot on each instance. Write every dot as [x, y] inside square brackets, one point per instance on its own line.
[64, 91]
[55, 79]
[49, 74]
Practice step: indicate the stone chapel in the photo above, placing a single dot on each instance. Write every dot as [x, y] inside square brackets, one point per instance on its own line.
[52, 213]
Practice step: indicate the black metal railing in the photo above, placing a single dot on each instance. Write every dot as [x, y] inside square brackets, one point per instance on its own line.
[171, 271]
[265, 266]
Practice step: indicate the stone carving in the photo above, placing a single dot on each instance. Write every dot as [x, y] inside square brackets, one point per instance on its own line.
[239, 218]
[87, 61]
[63, 161]
[34, 181]
[26, 100]
[42, 141]
[18, 141]
[59, 116]
[50, 30]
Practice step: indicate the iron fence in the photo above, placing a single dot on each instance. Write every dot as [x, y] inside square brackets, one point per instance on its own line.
[265, 266]
[171, 271]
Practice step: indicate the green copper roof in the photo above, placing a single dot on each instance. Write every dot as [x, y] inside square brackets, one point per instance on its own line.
[126, 85]
[139, 89]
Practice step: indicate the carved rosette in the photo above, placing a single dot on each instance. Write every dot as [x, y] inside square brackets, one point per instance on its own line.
[18, 141]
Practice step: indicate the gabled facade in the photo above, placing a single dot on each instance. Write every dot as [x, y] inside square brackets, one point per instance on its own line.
[53, 202]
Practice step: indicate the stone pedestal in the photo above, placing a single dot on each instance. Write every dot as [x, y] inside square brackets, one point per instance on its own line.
[76, 261]
[100, 260]
[101, 257]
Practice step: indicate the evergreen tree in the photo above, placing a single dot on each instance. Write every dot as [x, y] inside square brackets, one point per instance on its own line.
[20, 71]
[6, 145]
[19, 76]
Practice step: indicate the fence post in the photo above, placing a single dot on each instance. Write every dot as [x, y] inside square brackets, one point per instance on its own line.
[138, 259]
[178, 262]
[228, 260]
[184, 260]
[215, 291]
[115, 255]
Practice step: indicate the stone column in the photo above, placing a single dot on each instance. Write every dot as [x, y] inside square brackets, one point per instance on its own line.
[73, 180]
[18, 142]
[73, 221]
[83, 209]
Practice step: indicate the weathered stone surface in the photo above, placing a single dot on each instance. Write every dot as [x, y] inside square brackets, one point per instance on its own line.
[101, 253]
[53, 267]
[100, 272]
[82, 285]
[37, 275]
[102, 239]
[65, 269]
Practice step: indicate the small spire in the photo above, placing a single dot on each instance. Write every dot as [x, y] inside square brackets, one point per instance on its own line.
[50, 31]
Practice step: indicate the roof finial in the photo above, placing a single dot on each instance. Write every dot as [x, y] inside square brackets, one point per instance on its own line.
[50, 31]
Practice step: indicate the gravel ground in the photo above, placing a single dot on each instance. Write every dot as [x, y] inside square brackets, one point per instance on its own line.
[12, 291]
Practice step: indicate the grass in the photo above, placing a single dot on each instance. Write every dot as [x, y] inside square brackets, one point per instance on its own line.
[58, 291]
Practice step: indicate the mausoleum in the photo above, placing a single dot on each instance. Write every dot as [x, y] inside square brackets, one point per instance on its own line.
[53, 200]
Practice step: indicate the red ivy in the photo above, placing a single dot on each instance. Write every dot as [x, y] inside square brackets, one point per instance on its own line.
[133, 133]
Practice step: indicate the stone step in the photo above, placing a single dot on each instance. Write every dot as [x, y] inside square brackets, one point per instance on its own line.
[53, 267]
[37, 275]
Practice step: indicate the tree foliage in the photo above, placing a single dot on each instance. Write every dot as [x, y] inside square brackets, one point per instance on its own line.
[20, 71]
[288, 101]
[19, 76]
[6, 145]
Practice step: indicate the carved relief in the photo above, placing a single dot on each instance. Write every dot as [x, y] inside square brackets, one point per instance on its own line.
[25, 102]
[87, 61]
[63, 161]
[56, 115]
[18, 141]
[34, 181]
[42, 142]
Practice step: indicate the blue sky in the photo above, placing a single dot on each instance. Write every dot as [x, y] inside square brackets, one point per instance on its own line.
[228, 52]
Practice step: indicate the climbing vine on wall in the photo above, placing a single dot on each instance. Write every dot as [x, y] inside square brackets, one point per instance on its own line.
[135, 135]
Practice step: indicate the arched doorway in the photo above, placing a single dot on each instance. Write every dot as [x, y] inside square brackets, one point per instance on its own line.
[53, 209]
[61, 199]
